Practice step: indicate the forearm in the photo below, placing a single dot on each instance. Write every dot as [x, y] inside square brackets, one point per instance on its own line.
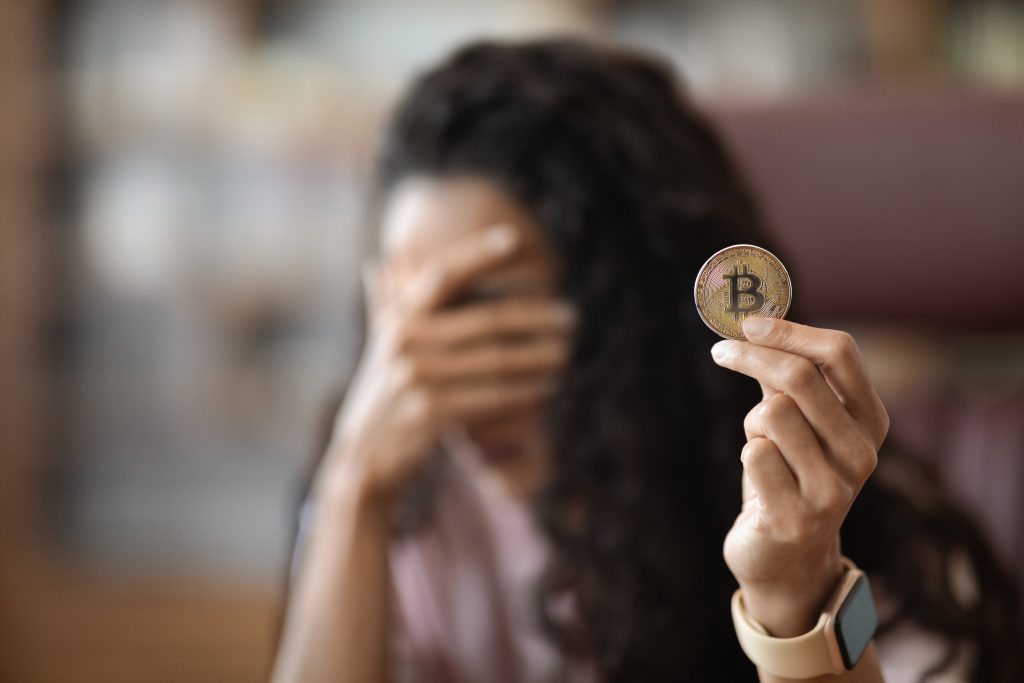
[866, 671]
[337, 625]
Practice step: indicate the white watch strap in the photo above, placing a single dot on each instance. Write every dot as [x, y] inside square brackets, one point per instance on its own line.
[804, 656]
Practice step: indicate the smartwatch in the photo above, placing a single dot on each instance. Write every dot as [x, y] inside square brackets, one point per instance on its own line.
[833, 646]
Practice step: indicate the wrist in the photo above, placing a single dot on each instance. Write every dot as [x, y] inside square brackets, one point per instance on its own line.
[344, 481]
[791, 606]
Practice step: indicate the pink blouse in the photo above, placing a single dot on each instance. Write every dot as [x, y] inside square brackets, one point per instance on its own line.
[464, 605]
[464, 599]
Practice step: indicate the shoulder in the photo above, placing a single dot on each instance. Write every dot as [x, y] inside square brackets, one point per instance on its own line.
[906, 650]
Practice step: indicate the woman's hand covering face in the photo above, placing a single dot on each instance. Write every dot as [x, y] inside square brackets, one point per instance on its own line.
[811, 444]
[428, 365]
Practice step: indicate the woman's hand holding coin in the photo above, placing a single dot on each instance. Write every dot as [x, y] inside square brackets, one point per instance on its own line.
[812, 442]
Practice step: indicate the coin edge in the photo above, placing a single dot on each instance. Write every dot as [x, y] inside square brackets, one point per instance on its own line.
[700, 271]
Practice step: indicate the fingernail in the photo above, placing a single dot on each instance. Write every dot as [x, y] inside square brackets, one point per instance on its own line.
[499, 239]
[757, 327]
[722, 350]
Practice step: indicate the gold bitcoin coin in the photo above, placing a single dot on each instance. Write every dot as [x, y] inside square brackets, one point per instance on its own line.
[740, 282]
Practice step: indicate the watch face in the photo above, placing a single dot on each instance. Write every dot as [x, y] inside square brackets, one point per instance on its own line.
[856, 622]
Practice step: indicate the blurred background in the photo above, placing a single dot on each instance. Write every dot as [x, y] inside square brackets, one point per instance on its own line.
[183, 209]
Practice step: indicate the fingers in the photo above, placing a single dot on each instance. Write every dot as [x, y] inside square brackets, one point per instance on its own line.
[780, 420]
[544, 356]
[468, 401]
[804, 418]
[487, 378]
[841, 363]
[795, 376]
[793, 514]
[456, 266]
[511, 317]
[770, 477]
[812, 443]
[493, 398]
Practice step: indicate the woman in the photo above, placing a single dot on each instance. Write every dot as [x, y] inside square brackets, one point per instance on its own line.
[541, 453]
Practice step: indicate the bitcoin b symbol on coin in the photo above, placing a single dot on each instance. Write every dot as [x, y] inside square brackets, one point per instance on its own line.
[744, 291]
[738, 282]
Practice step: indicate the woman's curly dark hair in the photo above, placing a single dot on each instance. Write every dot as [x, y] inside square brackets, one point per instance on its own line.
[634, 189]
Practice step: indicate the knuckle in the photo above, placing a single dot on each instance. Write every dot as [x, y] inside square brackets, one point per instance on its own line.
[777, 408]
[783, 334]
[832, 497]
[755, 451]
[864, 463]
[799, 374]
[752, 421]
[884, 424]
[842, 346]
